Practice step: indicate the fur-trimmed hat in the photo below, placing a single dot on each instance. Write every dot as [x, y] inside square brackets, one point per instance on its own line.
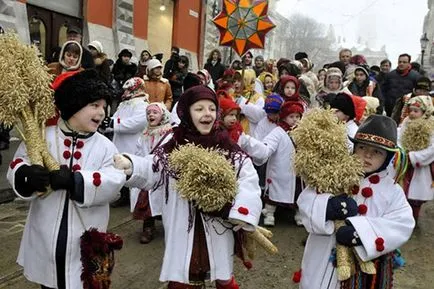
[153, 63]
[300, 55]
[344, 103]
[97, 45]
[77, 89]
[273, 103]
[134, 87]
[291, 107]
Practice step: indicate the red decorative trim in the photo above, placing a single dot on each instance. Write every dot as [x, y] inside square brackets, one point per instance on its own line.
[243, 211]
[363, 209]
[374, 179]
[375, 139]
[296, 277]
[367, 192]
[76, 167]
[15, 163]
[269, 181]
[96, 175]
[77, 155]
[97, 182]
[355, 190]
[67, 154]
[80, 144]
[380, 248]
[379, 241]
[67, 142]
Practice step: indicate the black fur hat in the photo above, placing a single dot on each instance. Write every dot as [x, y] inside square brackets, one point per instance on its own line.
[344, 103]
[78, 90]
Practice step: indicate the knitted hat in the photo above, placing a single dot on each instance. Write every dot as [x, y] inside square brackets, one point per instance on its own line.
[125, 52]
[75, 90]
[423, 102]
[134, 87]
[423, 83]
[227, 105]
[189, 97]
[284, 80]
[379, 131]
[206, 74]
[273, 103]
[291, 107]
[362, 69]
[344, 103]
[153, 63]
[97, 45]
[359, 106]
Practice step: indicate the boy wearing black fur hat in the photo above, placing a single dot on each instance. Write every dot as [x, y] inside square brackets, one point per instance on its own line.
[82, 188]
[378, 218]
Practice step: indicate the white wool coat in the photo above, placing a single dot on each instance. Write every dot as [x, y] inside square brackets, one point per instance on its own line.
[145, 145]
[389, 216]
[278, 149]
[38, 244]
[175, 215]
[421, 183]
[129, 121]
[264, 127]
[254, 112]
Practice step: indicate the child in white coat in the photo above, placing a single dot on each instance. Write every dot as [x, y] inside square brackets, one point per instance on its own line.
[82, 188]
[147, 204]
[378, 218]
[419, 179]
[198, 245]
[128, 123]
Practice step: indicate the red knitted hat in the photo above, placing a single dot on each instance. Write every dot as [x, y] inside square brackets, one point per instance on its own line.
[226, 105]
[291, 107]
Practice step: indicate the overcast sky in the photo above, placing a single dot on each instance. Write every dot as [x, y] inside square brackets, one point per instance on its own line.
[397, 24]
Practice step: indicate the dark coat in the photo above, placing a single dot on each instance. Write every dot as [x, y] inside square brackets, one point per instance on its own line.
[102, 66]
[122, 72]
[216, 71]
[396, 85]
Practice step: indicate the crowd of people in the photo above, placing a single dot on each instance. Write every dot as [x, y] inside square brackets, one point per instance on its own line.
[249, 111]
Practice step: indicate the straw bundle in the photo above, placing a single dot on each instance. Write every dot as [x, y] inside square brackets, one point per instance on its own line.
[26, 99]
[323, 161]
[207, 179]
[418, 133]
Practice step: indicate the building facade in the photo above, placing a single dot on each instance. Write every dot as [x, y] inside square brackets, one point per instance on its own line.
[428, 28]
[155, 25]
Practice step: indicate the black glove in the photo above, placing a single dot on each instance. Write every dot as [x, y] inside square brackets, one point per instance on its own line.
[347, 236]
[106, 123]
[30, 179]
[341, 207]
[62, 179]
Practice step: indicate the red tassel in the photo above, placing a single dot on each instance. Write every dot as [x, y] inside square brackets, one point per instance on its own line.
[296, 278]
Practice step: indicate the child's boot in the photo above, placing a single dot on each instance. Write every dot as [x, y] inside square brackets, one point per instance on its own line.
[269, 215]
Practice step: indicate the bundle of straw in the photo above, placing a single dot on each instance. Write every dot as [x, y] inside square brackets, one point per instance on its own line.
[26, 99]
[207, 179]
[417, 134]
[323, 161]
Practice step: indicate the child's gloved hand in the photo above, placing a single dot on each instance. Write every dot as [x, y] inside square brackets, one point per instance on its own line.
[62, 179]
[123, 163]
[30, 179]
[340, 208]
[347, 236]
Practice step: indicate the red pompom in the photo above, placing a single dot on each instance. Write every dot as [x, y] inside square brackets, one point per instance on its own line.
[77, 155]
[375, 179]
[243, 211]
[380, 248]
[367, 192]
[296, 277]
[80, 144]
[67, 142]
[268, 181]
[417, 165]
[15, 163]
[97, 182]
[248, 265]
[76, 167]
[355, 190]
[96, 175]
[363, 209]
[379, 241]
[66, 154]
[119, 120]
